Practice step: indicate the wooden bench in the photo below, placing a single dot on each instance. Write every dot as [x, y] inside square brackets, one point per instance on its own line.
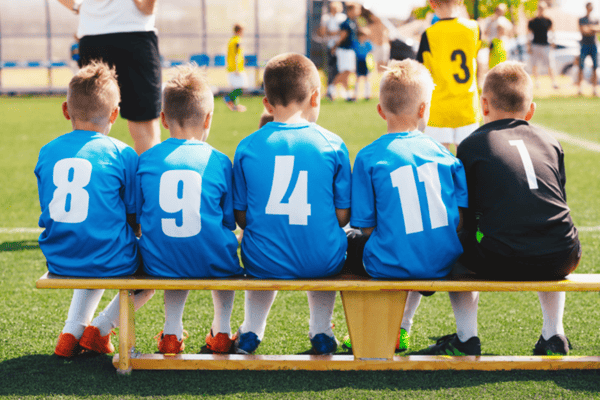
[373, 310]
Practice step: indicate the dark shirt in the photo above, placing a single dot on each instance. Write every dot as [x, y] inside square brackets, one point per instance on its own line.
[517, 198]
[540, 27]
[588, 39]
[350, 26]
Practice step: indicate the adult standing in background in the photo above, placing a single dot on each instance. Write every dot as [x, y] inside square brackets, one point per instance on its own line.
[540, 48]
[379, 37]
[330, 29]
[122, 33]
[589, 28]
[344, 47]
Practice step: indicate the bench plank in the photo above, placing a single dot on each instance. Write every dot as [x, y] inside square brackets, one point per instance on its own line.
[573, 283]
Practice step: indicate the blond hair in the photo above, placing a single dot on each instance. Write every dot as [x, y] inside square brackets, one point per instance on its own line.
[187, 97]
[440, 2]
[509, 87]
[93, 94]
[290, 78]
[404, 86]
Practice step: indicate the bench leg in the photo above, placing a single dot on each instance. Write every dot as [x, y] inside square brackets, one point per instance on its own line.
[126, 331]
[374, 320]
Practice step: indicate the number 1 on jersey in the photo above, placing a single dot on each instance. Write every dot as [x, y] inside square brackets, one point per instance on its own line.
[297, 207]
[527, 164]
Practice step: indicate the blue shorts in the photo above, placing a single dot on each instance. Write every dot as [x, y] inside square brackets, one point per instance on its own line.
[588, 50]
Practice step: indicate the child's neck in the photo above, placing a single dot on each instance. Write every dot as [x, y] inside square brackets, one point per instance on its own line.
[401, 123]
[188, 132]
[90, 126]
[448, 11]
[292, 114]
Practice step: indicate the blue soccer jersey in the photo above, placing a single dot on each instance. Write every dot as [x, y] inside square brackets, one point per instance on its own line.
[290, 178]
[86, 186]
[409, 188]
[185, 207]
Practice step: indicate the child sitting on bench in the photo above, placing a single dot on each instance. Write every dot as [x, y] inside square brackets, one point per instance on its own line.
[86, 185]
[185, 207]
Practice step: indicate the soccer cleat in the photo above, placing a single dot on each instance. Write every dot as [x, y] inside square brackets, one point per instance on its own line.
[323, 345]
[450, 345]
[168, 344]
[221, 343]
[402, 341]
[246, 343]
[557, 345]
[92, 340]
[67, 346]
[346, 343]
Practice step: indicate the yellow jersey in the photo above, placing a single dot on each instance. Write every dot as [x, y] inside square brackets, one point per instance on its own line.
[449, 50]
[235, 55]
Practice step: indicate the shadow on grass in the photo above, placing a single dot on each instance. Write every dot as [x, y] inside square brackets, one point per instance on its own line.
[44, 375]
[18, 246]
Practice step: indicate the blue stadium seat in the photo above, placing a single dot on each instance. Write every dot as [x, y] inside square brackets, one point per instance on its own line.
[57, 64]
[251, 60]
[34, 64]
[202, 60]
[219, 60]
[9, 64]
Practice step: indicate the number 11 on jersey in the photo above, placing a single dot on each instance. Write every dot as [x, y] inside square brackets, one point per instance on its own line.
[297, 208]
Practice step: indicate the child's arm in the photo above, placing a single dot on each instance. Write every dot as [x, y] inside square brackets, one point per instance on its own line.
[460, 221]
[146, 7]
[343, 216]
[137, 228]
[240, 218]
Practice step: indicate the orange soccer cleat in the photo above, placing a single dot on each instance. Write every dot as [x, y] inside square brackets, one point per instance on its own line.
[168, 344]
[221, 343]
[92, 340]
[67, 346]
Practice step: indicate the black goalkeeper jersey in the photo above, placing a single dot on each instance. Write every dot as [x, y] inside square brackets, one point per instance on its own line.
[516, 181]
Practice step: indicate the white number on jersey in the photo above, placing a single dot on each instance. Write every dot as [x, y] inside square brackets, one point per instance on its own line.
[70, 193]
[297, 207]
[527, 164]
[188, 203]
[403, 178]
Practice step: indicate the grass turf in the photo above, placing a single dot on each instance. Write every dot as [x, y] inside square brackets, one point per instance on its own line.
[509, 323]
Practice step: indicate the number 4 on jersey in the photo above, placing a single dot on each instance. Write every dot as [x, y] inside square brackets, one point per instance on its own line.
[297, 207]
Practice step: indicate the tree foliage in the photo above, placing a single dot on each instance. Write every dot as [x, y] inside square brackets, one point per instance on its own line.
[487, 7]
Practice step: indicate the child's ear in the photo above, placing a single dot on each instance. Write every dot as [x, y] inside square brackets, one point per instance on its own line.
[422, 109]
[314, 98]
[163, 119]
[268, 105]
[208, 120]
[381, 112]
[114, 115]
[485, 106]
[65, 110]
[531, 111]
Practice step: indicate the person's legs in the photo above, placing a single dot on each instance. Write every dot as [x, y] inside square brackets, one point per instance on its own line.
[412, 303]
[81, 311]
[174, 306]
[109, 317]
[257, 307]
[145, 134]
[464, 305]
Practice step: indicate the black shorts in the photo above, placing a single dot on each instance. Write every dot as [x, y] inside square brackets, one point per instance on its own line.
[361, 68]
[354, 255]
[136, 59]
[490, 265]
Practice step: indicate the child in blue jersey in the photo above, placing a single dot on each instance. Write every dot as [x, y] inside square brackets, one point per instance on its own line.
[292, 187]
[86, 186]
[362, 48]
[185, 207]
[407, 192]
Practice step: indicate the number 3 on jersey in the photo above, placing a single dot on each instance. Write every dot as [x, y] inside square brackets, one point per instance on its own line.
[297, 208]
[403, 178]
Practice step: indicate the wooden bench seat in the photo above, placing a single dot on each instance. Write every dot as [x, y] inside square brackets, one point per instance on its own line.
[373, 310]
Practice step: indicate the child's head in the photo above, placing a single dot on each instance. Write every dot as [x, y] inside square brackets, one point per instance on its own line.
[363, 34]
[444, 3]
[405, 90]
[291, 78]
[500, 10]
[507, 93]
[335, 7]
[353, 10]
[93, 96]
[188, 101]
[238, 29]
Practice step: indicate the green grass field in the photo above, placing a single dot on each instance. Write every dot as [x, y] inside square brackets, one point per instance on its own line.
[509, 323]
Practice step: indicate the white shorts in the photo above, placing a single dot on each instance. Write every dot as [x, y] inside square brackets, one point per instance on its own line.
[451, 135]
[237, 80]
[542, 55]
[346, 60]
[381, 54]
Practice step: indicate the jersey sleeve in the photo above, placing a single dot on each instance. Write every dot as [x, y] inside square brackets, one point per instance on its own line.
[227, 197]
[342, 184]
[130, 159]
[423, 47]
[460, 185]
[240, 201]
[363, 196]
[139, 197]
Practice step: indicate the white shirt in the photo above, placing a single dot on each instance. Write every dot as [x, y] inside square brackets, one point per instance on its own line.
[99, 17]
[332, 24]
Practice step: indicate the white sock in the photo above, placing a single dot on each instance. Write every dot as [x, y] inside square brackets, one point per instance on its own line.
[367, 89]
[321, 312]
[256, 310]
[223, 305]
[82, 309]
[174, 305]
[109, 317]
[331, 90]
[553, 309]
[464, 305]
[343, 92]
[412, 303]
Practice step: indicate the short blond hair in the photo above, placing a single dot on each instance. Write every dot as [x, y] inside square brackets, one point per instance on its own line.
[404, 86]
[509, 87]
[440, 2]
[93, 93]
[187, 97]
[290, 78]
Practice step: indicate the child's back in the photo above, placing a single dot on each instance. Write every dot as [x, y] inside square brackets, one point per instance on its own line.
[294, 177]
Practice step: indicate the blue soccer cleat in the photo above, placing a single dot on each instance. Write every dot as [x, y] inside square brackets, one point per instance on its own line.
[246, 343]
